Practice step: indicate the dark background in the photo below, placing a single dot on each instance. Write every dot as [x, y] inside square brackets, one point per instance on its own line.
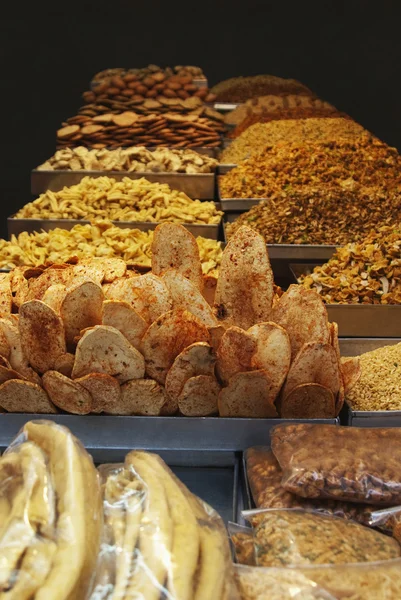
[348, 52]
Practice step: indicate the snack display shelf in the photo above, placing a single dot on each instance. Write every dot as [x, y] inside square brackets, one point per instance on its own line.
[196, 185]
[17, 226]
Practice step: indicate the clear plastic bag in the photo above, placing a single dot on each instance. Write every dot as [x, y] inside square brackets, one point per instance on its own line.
[243, 544]
[264, 477]
[256, 583]
[357, 464]
[300, 537]
[160, 541]
[50, 515]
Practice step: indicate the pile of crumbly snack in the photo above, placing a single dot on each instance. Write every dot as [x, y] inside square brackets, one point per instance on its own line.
[240, 89]
[134, 159]
[368, 272]
[126, 200]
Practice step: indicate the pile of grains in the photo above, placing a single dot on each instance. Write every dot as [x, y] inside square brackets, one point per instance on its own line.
[322, 216]
[289, 166]
[256, 137]
[379, 387]
[365, 273]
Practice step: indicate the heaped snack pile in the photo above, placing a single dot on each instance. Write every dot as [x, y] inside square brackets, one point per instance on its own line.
[240, 89]
[96, 337]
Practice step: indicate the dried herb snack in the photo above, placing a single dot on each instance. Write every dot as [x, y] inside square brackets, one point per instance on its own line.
[368, 272]
[287, 167]
[319, 215]
[100, 239]
[134, 159]
[240, 89]
[358, 464]
[379, 387]
[256, 137]
[126, 200]
[298, 537]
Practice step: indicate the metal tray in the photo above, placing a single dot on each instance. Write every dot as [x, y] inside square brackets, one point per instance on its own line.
[17, 226]
[225, 106]
[360, 320]
[357, 346]
[222, 169]
[197, 185]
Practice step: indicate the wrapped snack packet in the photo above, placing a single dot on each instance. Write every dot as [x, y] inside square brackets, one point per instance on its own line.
[300, 537]
[51, 515]
[358, 464]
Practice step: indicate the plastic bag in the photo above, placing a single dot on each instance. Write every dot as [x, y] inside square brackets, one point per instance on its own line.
[264, 476]
[256, 583]
[300, 537]
[160, 541]
[243, 544]
[50, 515]
[344, 463]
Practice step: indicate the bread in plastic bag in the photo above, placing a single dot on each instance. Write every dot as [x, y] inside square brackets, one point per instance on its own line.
[160, 541]
[300, 537]
[264, 477]
[256, 583]
[242, 542]
[344, 463]
[50, 515]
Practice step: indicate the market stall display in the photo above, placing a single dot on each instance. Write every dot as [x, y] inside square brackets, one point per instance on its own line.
[240, 89]
[172, 351]
[260, 135]
[368, 272]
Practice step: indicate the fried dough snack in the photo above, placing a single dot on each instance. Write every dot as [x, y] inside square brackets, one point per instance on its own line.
[158, 537]
[51, 515]
[126, 200]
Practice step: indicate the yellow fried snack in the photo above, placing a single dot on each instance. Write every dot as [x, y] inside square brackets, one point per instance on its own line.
[126, 200]
[101, 239]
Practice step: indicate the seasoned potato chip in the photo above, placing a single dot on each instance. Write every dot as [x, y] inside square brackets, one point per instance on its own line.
[111, 268]
[248, 395]
[303, 315]
[81, 308]
[167, 337]
[5, 349]
[140, 397]
[6, 373]
[244, 292]
[104, 389]
[16, 357]
[42, 335]
[235, 352]
[6, 299]
[54, 296]
[175, 247]
[308, 401]
[147, 294]
[123, 317]
[314, 363]
[64, 364]
[51, 276]
[199, 396]
[197, 359]
[19, 285]
[67, 394]
[187, 296]
[351, 371]
[25, 397]
[104, 349]
[273, 351]
[209, 288]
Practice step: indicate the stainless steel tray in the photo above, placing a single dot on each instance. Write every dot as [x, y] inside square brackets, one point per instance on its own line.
[238, 205]
[357, 346]
[379, 418]
[17, 226]
[222, 169]
[197, 185]
[225, 106]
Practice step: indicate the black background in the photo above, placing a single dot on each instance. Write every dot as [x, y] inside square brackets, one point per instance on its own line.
[349, 53]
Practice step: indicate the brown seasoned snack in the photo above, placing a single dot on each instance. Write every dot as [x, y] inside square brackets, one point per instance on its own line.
[133, 159]
[240, 89]
[368, 272]
[258, 136]
[298, 537]
[379, 385]
[358, 465]
[153, 71]
[131, 129]
[244, 548]
[327, 215]
[274, 106]
[287, 167]
[264, 476]
[126, 200]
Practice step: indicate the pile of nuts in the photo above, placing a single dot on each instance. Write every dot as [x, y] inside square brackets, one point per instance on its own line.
[131, 129]
[134, 159]
[181, 71]
[364, 273]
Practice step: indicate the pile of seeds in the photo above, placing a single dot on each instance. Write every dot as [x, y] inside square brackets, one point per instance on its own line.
[290, 166]
[364, 273]
[320, 215]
